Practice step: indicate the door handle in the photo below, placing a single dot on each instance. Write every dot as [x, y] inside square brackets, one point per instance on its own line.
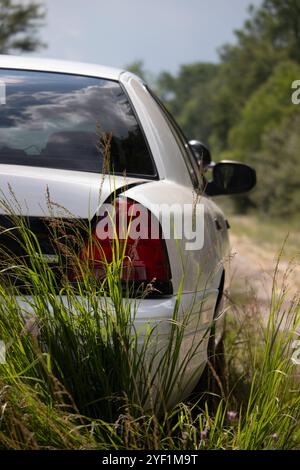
[218, 225]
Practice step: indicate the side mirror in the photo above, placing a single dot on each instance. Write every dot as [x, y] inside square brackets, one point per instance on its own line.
[201, 152]
[231, 177]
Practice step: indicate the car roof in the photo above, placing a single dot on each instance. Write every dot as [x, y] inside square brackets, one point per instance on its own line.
[61, 66]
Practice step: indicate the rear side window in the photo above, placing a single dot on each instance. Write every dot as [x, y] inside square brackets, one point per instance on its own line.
[54, 120]
[181, 141]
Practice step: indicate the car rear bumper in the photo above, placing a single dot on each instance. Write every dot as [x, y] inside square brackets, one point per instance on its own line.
[198, 308]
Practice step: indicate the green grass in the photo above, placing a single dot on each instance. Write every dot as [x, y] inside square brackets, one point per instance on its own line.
[76, 377]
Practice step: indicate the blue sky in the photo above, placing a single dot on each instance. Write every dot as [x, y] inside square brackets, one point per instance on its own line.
[162, 33]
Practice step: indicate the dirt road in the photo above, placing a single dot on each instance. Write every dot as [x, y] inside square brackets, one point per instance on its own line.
[253, 269]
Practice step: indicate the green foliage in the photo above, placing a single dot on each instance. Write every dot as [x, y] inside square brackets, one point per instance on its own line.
[265, 109]
[189, 97]
[18, 26]
[277, 165]
[269, 37]
[267, 137]
[279, 22]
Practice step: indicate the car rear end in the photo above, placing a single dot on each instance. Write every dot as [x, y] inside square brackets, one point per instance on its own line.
[69, 144]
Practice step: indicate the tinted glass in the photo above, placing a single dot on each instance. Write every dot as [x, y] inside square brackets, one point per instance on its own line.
[61, 121]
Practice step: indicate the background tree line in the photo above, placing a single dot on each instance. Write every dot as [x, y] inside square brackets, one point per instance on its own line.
[242, 106]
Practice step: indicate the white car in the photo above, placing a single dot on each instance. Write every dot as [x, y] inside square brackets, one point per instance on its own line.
[49, 115]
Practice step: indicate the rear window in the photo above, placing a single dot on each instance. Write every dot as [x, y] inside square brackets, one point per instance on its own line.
[54, 120]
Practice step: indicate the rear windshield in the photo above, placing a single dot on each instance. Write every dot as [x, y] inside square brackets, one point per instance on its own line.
[62, 121]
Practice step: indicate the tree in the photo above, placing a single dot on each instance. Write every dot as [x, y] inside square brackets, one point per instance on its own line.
[189, 97]
[267, 137]
[278, 170]
[18, 26]
[138, 68]
[278, 21]
[270, 36]
[266, 108]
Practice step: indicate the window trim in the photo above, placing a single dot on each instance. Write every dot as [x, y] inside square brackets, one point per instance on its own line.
[181, 141]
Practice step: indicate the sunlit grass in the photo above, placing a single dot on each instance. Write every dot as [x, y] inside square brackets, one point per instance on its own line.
[76, 377]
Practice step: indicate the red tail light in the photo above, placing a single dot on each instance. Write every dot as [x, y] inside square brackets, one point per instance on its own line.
[145, 258]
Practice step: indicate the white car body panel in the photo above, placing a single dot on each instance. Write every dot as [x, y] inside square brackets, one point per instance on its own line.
[82, 194]
[73, 194]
